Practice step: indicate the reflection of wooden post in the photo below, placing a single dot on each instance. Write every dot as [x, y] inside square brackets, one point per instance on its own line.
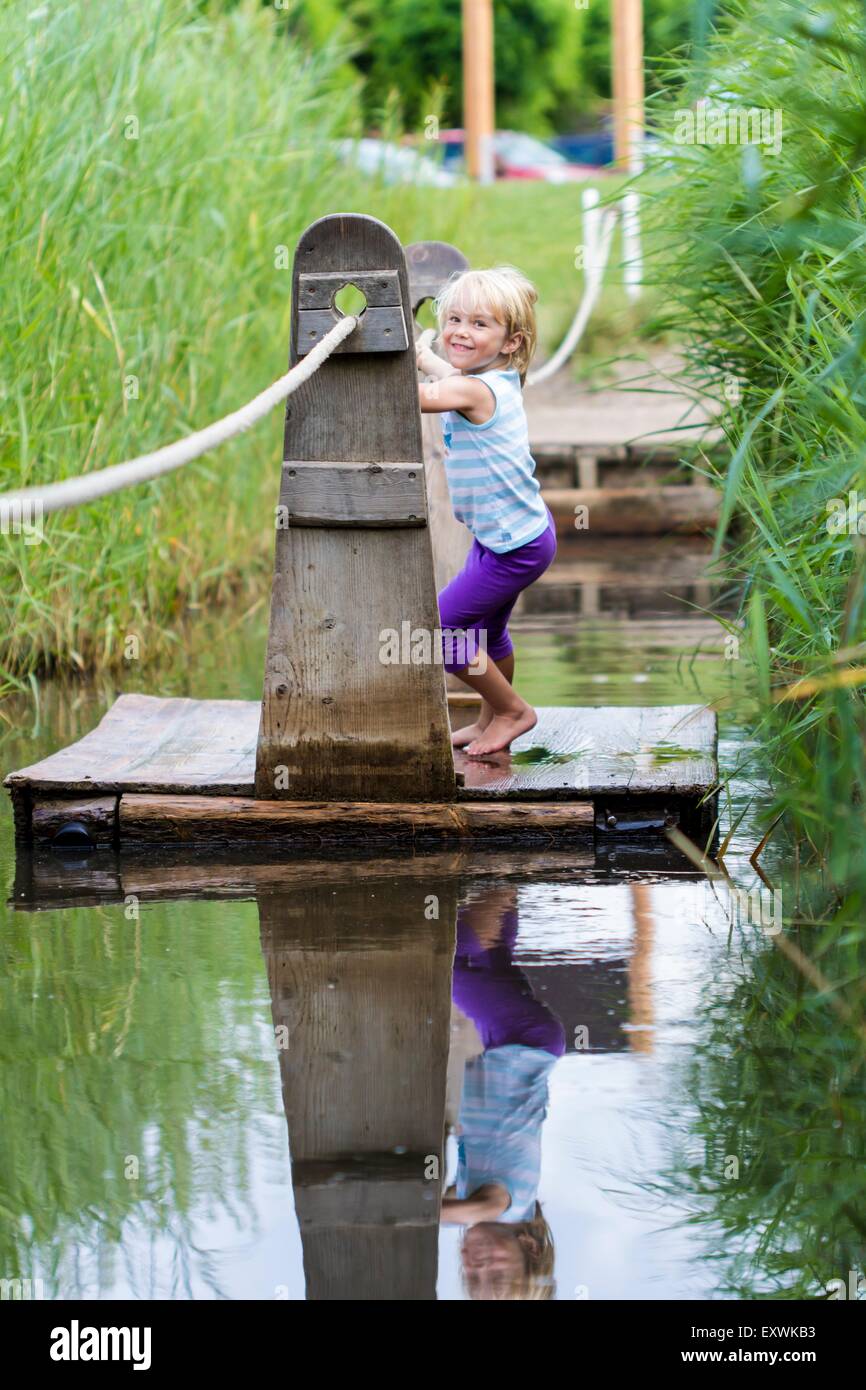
[361, 983]
[353, 555]
[478, 90]
[640, 995]
[628, 83]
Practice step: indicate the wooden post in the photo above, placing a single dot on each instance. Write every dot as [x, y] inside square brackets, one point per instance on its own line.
[360, 978]
[478, 90]
[628, 82]
[340, 720]
[430, 263]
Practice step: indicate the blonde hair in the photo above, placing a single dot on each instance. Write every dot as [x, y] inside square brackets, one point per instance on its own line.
[535, 1283]
[507, 294]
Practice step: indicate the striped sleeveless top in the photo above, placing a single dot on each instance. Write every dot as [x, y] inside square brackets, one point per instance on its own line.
[490, 471]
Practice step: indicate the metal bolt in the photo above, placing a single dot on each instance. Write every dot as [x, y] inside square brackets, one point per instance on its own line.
[610, 821]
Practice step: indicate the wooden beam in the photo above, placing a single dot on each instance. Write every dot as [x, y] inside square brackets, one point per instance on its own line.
[145, 819]
[97, 815]
[354, 494]
[638, 511]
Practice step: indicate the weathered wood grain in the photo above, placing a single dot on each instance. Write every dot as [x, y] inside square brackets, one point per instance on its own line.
[637, 511]
[150, 743]
[337, 722]
[379, 330]
[360, 997]
[379, 287]
[98, 816]
[354, 494]
[645, 751]
[157, 819]
[430, 264]
[206, 748]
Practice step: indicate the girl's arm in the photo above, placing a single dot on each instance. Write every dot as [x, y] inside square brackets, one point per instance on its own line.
[464, 393]
[485, 1204]
[432, 365]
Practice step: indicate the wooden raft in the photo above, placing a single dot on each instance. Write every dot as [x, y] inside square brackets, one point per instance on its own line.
[159, 771]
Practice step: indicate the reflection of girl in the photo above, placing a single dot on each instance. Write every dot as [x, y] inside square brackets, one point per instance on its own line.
[507, 1250]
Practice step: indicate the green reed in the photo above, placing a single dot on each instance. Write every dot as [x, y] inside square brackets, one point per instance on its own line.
[758, 252]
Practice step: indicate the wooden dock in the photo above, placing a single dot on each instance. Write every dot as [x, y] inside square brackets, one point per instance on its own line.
[345, 750]
[160, 772]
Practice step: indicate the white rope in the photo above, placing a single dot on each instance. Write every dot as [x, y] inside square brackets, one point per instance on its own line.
[73, 492]
[598, 250]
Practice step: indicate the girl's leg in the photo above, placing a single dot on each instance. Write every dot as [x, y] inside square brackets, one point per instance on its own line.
[512, 715]
[471, 732]
[480, 600]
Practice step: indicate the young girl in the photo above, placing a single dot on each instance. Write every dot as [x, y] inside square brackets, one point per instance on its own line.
[487, 329]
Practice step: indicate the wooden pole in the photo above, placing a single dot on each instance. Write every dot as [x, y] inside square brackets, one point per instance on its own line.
[430, 264]
[479, 120]
[342, 719]
[628, 82]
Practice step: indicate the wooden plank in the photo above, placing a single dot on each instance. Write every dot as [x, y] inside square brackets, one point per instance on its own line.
[639, 511]
[204, 749]
[430, 264]
[632, 751]
[354, 494]
[337, 723]
[379, 287]
[617, 562]
[154, 819]
[97, 815]
[361, 999]
[379, 330]
[150, 743]
[639, 451]
[365, 1190]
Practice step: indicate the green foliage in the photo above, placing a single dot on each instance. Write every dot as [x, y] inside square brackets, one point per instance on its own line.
[758, 255]
[553, 60]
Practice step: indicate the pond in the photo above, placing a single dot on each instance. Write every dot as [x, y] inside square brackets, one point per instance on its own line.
[183, 1056]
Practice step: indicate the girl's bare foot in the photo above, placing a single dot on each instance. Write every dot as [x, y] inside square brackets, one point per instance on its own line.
[501, 730]
[461, 737]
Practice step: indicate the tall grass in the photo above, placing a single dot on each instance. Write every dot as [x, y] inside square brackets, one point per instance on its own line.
[151, 161]
[759, 256]
[760, 259]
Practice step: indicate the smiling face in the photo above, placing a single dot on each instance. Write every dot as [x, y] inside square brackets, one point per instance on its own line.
[475, 341]
[494, 1260]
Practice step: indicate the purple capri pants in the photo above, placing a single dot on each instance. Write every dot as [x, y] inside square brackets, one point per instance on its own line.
[491, 990]
[480, 598]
